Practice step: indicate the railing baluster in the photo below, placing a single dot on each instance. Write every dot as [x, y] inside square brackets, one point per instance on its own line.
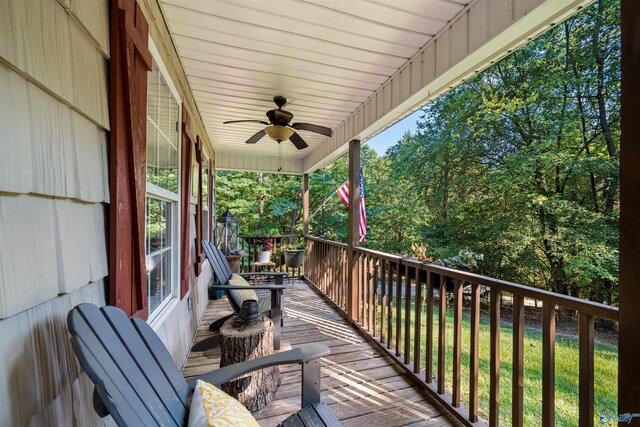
[398, 297]
[473, 363]
[517, 376]
[494, 360]
[370, 319]
[585, 325]
[548, 363]
[345, 277]
[417, 321]
[429, 338]
[442, 318]
[333, 257]
[383, 301]
[457, 342]
[376, 262]
[361, 289]
[390, 298]
[407, 315]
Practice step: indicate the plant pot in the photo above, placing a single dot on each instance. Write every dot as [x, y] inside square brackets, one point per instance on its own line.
[293, 257]
[264, 256]
[450, 282]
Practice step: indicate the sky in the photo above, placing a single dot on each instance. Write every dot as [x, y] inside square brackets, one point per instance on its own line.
[390, 136]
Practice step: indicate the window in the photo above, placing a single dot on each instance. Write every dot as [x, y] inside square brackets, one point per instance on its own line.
[205, 198]
[162, 209]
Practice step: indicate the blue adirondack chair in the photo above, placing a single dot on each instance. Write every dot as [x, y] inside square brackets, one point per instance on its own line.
[138, 383]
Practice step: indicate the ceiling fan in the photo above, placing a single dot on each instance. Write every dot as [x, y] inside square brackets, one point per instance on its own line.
[279, 129]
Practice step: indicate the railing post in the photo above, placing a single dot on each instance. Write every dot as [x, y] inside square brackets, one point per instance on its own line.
[628, 336]
[305, 204]
[354, 227]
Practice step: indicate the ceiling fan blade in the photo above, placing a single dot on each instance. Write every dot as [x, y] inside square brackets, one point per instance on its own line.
[245, 121]
[313, 128]
[298, 141]
[255, 138]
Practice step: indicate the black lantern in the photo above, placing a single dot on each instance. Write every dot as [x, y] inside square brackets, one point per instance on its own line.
[227, 231]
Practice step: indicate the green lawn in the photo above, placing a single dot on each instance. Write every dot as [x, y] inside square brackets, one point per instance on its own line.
[606, 373]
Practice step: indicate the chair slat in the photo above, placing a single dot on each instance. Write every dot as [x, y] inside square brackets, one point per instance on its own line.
[167, 392]
[293, 421]
[328, 417]
[310, 417]
[124, 405]
[88, 323]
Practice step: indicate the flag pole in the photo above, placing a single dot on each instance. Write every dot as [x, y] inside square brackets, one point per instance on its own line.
[327, 199]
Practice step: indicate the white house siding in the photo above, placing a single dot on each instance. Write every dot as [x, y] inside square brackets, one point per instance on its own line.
[54, 199]
[54, 196]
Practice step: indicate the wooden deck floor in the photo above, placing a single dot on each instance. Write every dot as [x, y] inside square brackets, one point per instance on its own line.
[361, 386]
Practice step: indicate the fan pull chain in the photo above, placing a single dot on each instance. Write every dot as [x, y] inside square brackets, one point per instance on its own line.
[280, 161]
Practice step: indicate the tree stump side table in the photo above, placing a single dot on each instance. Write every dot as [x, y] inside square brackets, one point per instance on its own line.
[245, 342]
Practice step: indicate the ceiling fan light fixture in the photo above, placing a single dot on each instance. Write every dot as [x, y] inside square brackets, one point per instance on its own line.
[279, 133]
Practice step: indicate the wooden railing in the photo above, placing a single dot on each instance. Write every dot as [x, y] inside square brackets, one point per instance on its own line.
[252, 243]
[388, 285]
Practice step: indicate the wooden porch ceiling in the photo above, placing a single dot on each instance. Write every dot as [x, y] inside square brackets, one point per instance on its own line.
[326, 57]
[356, 66]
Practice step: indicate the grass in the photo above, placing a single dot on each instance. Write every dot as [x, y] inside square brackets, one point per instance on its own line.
[566, 362]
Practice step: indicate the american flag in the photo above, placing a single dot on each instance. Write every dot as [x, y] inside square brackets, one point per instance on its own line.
[343, 193]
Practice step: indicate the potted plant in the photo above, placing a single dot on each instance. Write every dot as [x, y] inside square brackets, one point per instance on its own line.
[264, 254]
[293, 254]
[465, 260]
[420, 252]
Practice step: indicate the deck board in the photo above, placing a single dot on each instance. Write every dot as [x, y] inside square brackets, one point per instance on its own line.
[361, 385]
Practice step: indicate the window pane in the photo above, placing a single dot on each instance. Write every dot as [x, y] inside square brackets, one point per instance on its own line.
[162, 133]
[163, 113]
[156, 232]
[159, 251]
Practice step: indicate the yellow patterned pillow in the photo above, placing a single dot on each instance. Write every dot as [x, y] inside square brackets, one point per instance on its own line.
[245, 294]
[212, 407]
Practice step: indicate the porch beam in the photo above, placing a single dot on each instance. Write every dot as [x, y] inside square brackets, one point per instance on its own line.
[254, 163]
[354, 227]
[629, 298]
[482, 33]
[305, 204]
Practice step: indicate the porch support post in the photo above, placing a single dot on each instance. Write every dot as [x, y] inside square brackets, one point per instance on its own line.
[354, 228]
[629, 299]
[305, 204]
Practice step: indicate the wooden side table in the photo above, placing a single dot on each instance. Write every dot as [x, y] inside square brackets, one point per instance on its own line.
[244, 342]
[234, 262]
[269, 267]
